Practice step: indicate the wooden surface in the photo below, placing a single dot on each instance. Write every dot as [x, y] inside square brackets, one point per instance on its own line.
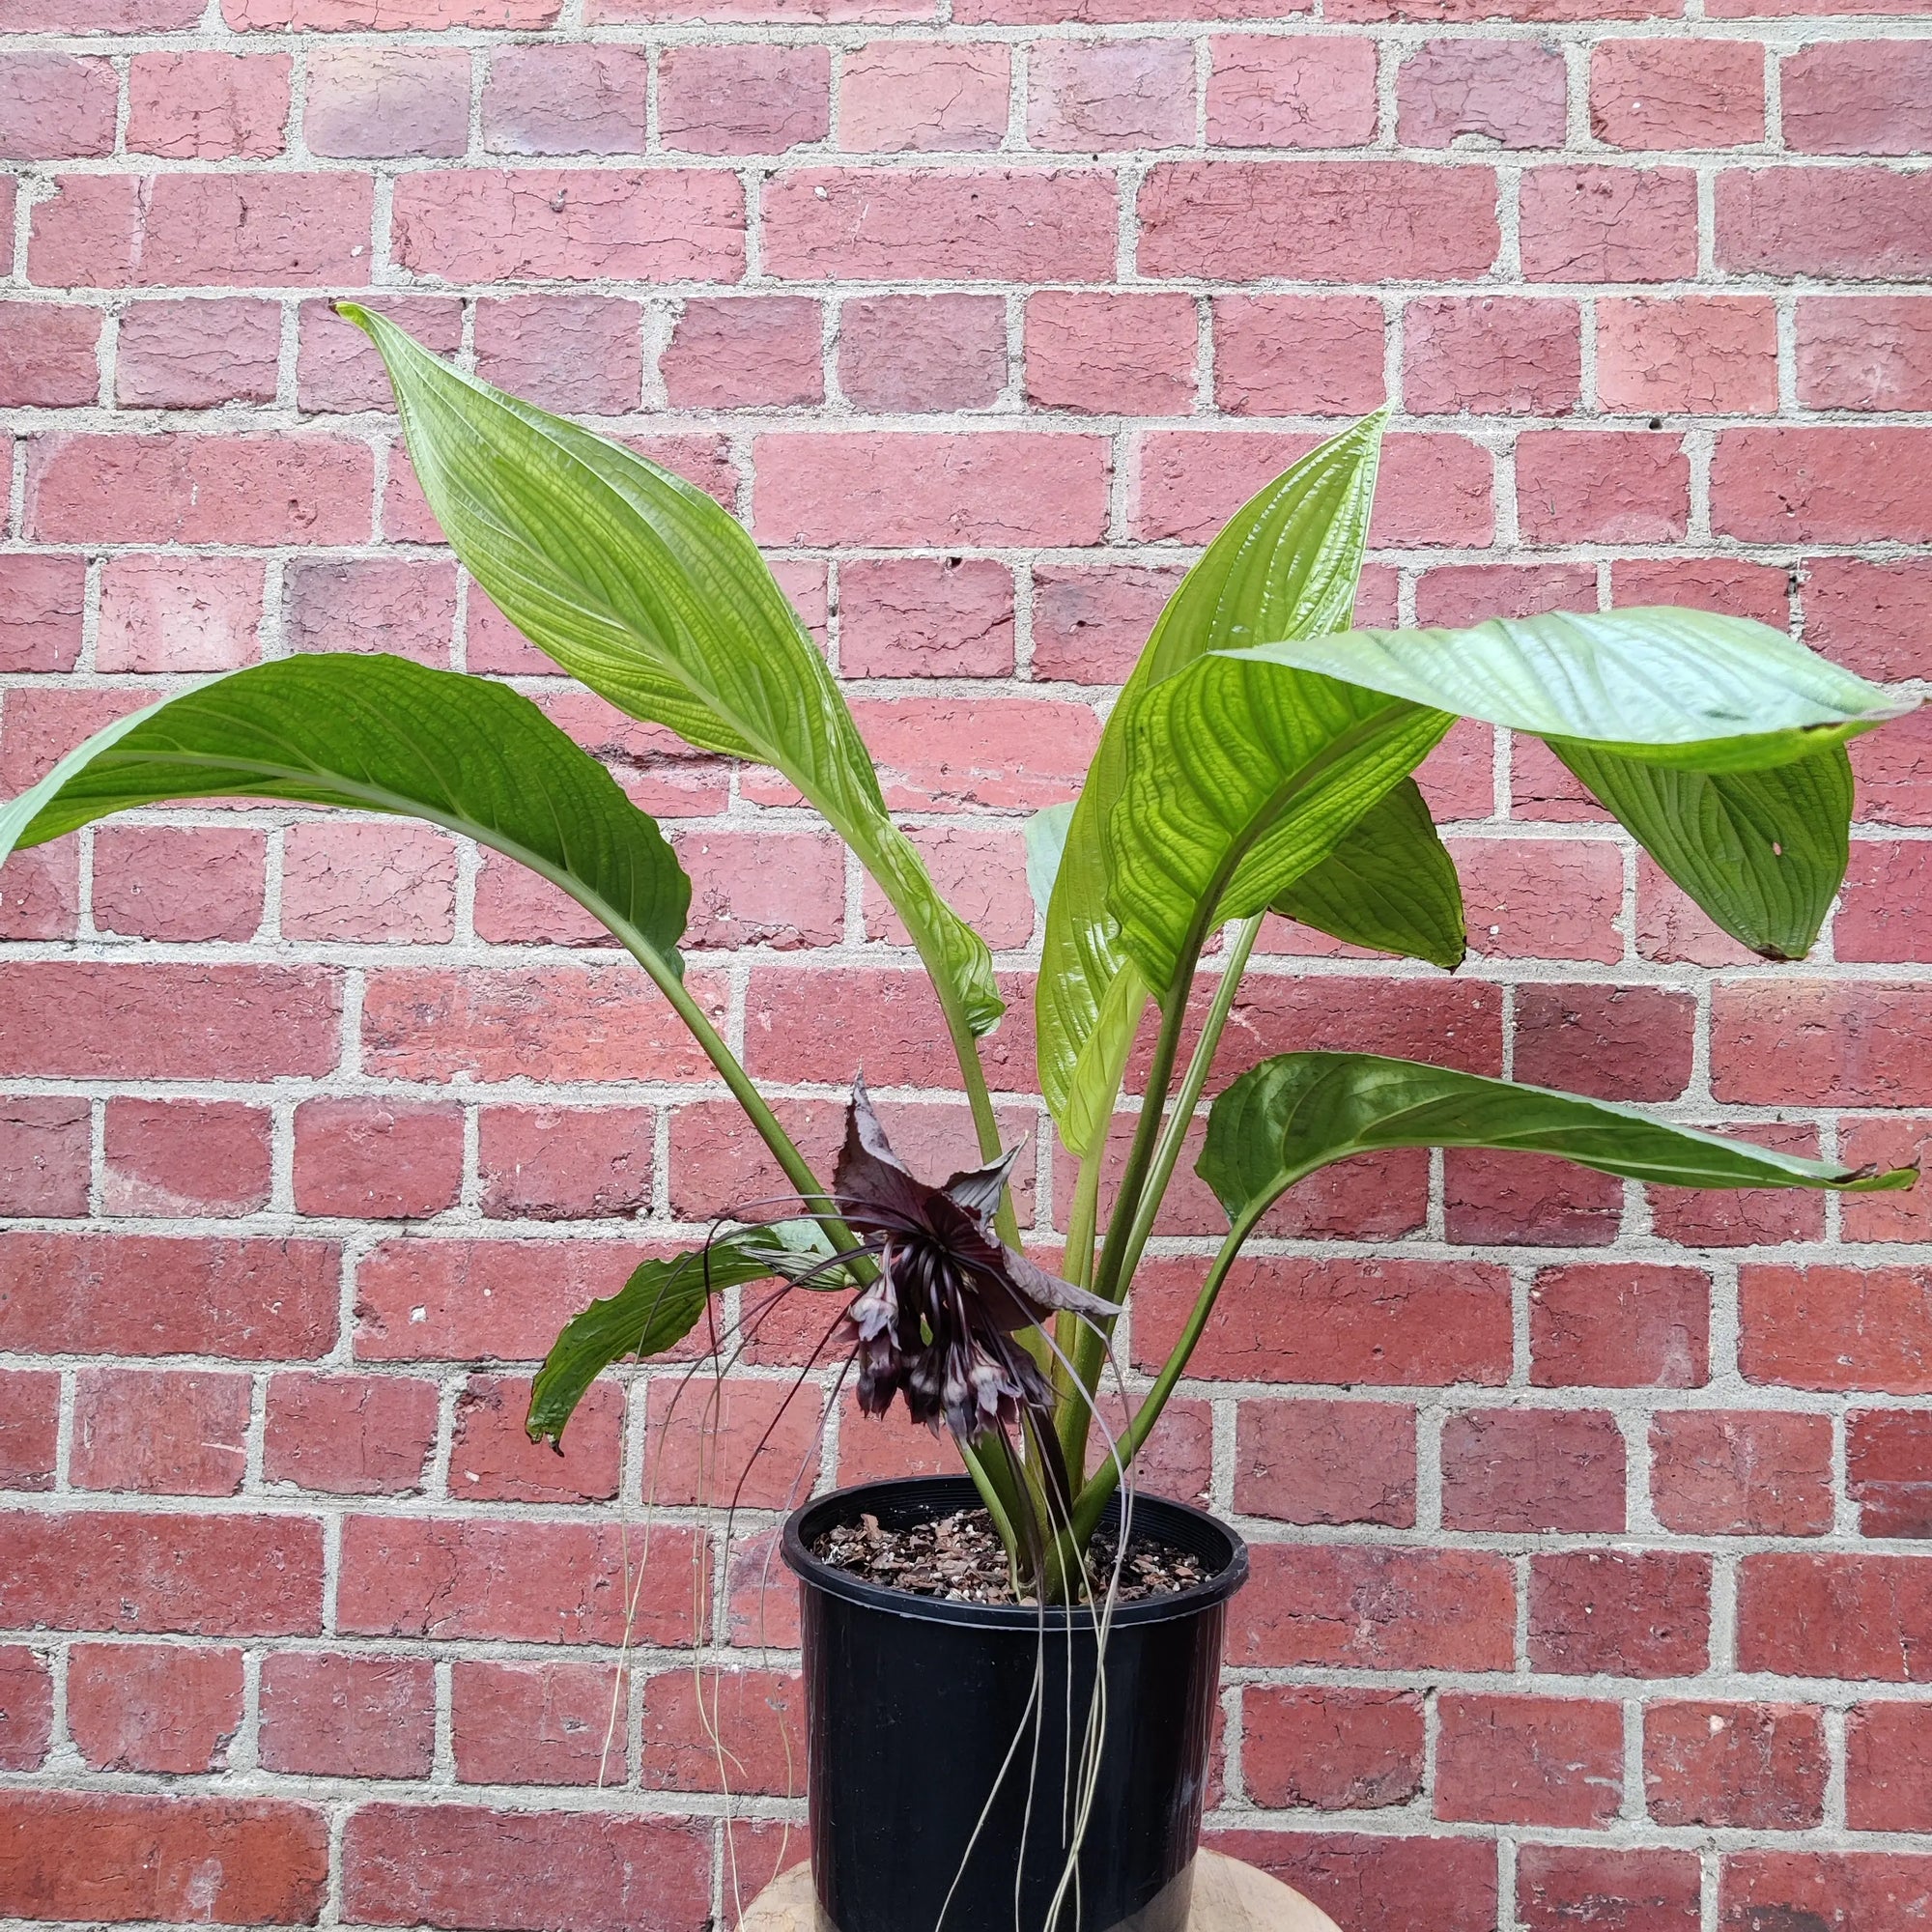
[1228, 1897]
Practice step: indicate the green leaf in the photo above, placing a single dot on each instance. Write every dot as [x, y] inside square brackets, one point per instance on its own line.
[1390, 885]
[1045, 842]
[1242, 777]
[657, 1308]
[1290, 1116]
[1285, 565]
[643, 588]
[1762, 852]
[376, 733]
[1667, 686]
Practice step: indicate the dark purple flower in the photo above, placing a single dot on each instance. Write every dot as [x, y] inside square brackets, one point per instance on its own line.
[940, 1323]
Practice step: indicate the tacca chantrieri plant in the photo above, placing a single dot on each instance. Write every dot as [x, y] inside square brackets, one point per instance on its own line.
[1260, 758]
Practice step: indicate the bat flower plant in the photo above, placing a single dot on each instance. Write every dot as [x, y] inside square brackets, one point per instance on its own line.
[1040, 1760]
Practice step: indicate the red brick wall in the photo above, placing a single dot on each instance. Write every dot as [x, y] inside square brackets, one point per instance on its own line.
[1587, 1582]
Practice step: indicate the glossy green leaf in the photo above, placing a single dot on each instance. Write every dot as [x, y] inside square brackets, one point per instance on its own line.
[1242, 777]
[659, 1306]
[1390, 885]
[643, 588]
[1669, 686]
[1045, 842]
[376, 733]
[1762, 852]
[1285, 565]
[1288, 1117]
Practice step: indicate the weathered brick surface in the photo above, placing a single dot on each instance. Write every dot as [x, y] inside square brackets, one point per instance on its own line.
[1589, 1519]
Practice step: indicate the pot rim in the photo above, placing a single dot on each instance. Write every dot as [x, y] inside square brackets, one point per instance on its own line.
[1164, 1517]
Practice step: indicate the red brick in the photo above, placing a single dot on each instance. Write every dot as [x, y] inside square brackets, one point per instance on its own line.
[404, 606]
[1095, 97]
[745, 353]
[199, 488]
[1865, 223]
[29, 1428]
[1621, 1613]
[1267, 91]
[985, 224]
[1611, 1043]
[392, 882]
[579, 354]
[105, 16]
[1889, 1471]
[1759, 1766]
[1827, 485]
[387, 16]
[55, 106]
[1888, 1768]
[1619, 1326]
[1527, 1200]
[196, 1576]
[1857, 98]
[1886, 1217]
[1855, 1889]
[194, 354]
[479, 1300]
[1523, 1470]
[377, 1160]
[1607, 486]
[1090, 621]
[565, 1163]
[1864, 353]
[179, 882]
[537, 1723]
[590, 1022]
[1331, 1749]
[169, 1157]
[159, 1855]
[1396, 1884]
[189, 230]
[43, 1156]
[346, 1435]
[1845, 1045]
[1704, 355]
[757, 1717]
[1895, 776]
[1608, 224]
[337, 367]
[560, 98]
[926, 618]
[256, 1300]
[1297, 355]
[177, 1434]
[356, 1716]
[1491, 354]
[742, 1444]
[1738, 1473]
[1510, 92]
[47, 355]
[1356, 1607]
[1563, 1887]
[26, 1708]
[491, 1460]
[387, 102]
[1111, 354]
[202, 106]
[42, 599]
[1319, 222]
[1470, 593]
[1834, 1328]
[1383, 1322]
[1528, 1760]
[915, 353]
[153, 1707]
[909, 488]
[1849, 1617]
[871, 1448]
[1878, 917]
[1728, 585]
[1310, 1462]
[744, 98]
[1701, 93]
[519, 1582]
[897, 96]
[476, 225]
[178, 614]
[450, 1865]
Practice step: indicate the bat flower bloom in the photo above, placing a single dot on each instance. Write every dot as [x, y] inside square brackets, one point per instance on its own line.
[940, 1324]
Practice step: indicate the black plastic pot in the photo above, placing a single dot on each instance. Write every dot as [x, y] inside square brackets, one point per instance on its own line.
[919, 1722]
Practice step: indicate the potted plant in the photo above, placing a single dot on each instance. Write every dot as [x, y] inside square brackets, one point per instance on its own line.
[1027, 1742]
